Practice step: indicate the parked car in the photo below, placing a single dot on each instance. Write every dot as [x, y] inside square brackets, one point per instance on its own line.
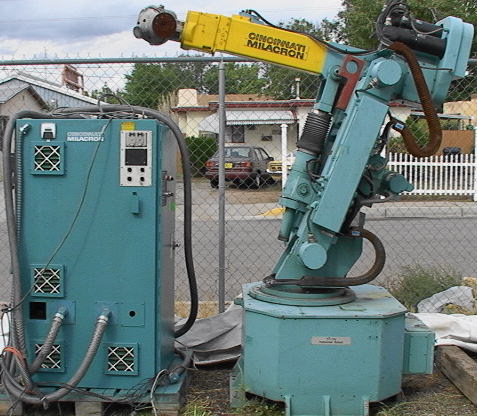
[274, 167]
[243, 165]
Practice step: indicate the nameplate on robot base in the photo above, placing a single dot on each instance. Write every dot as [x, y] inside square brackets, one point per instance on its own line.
[331, 340]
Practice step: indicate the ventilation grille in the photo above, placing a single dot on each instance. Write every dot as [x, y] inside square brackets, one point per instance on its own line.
[53, 359]
[121, 359]
[47, 281]
[47, 158]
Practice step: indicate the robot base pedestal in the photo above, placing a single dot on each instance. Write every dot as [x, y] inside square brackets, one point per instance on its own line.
[326, 360]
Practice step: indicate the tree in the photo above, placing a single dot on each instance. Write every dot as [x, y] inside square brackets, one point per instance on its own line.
[105, 93]
[239, 79]
[355, 23]
[149, 84]
[355, 26]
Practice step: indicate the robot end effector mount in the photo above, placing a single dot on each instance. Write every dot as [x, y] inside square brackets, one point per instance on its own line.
[157, 25]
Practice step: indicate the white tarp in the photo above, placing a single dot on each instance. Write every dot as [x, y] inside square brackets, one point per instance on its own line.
[456, 329]
[458, 295]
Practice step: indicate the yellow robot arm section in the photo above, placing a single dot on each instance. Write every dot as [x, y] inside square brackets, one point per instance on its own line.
[237, 35]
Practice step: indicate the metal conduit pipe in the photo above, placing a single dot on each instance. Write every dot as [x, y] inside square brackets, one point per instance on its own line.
[176, 372]
[20, 392]
[320, 281]
[47, 345]
[17, 333]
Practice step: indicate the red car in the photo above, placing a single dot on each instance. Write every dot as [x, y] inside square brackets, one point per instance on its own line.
[243, 165]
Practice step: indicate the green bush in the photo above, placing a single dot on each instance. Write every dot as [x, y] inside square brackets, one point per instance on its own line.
[416, 283]
[200, 150]
[418, 127]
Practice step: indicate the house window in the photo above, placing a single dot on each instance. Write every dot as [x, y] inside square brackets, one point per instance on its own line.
[234, 134]
[209, 135]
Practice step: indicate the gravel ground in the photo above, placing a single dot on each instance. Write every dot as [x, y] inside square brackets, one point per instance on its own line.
[423, 395]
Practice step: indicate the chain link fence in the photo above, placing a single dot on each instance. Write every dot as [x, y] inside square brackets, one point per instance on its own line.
[428, 235]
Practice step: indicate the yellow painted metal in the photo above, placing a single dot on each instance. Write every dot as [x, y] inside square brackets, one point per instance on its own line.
[128, 125]
[237, 35]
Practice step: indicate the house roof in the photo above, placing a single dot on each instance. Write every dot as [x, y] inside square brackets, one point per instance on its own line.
[205, 99]
[39, 82]
[242, 104]
[210, 102]
[8, 92]
[246, 117]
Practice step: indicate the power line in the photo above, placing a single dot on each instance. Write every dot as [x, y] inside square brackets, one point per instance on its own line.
[58, 19]
[70, 18]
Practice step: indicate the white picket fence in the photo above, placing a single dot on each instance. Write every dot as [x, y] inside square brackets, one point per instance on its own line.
[438, 175]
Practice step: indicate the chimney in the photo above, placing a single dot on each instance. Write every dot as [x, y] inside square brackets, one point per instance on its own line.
[187, 97]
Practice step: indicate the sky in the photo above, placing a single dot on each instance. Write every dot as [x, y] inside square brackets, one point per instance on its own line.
[103, 28]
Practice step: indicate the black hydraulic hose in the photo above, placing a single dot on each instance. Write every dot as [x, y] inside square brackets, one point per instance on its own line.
[187, 193]
[311, 36]
[320, 281]
[371, 274]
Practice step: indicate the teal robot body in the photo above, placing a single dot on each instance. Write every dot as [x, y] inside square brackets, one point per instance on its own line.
[324, 343]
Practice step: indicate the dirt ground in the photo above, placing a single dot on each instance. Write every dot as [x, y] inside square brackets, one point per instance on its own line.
[208, 395]
[423, 395]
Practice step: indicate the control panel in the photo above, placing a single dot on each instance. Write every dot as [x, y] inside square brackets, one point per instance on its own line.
[136, 158]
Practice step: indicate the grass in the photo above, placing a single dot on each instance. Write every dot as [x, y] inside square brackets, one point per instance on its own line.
[253, 408]
[260, 408]
[437, 404]
[416, 283]
[197, 408]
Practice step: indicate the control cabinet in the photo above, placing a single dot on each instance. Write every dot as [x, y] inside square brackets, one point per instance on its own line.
[95, 209]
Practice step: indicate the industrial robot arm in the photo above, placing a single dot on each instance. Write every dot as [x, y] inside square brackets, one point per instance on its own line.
[338, 166]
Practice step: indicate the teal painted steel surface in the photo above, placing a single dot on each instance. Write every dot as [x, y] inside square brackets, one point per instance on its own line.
[418, 347]
[326, 360]
[89, 241]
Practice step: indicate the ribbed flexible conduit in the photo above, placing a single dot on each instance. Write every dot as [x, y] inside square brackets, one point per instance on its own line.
[435, 131]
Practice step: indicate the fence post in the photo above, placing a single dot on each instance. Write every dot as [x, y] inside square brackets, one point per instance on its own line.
[222, 115]
[475, 164]
[284, 129]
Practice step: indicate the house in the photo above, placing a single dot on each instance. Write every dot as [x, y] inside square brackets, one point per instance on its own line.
[13, 98]
[464, 108]
[22, 91]
[56, 95]
[251, 119]
[256, 120]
